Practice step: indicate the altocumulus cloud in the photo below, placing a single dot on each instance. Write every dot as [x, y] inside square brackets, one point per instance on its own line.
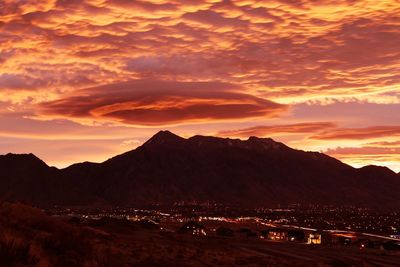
[268, 130]
[359, 133]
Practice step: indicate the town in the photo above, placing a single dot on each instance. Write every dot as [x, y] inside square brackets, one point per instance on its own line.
[313, 225]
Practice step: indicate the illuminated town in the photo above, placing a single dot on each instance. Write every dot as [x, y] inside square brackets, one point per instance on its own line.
[322, 225]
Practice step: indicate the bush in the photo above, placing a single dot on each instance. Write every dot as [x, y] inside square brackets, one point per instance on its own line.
[13, 253]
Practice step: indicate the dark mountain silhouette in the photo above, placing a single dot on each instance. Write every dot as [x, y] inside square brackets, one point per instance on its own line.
[168, 169]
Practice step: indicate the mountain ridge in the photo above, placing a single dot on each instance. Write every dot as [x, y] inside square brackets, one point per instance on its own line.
[168, 168]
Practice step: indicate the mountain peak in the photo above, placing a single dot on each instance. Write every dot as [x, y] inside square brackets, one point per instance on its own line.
[164, 137]
[23, 159]
[267, 143]
[377, 169]
[29, 156]
[265, 140]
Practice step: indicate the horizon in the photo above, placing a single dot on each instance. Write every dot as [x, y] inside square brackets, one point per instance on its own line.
[83, 81]
[185, 138]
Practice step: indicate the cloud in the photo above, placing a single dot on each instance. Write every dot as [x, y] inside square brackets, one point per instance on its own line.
[15, 81]
[290, 51]
[150, 102]
[148, 6]
[262, 131]
[211, 18]
[363, 151]
[131, 143]
[351, 114]
[388, 155]
[359, 133]
[384, 144]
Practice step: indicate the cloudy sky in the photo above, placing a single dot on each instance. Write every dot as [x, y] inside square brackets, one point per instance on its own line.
[86, 80]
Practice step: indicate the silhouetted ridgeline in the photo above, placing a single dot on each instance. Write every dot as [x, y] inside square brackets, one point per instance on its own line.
[168, 168]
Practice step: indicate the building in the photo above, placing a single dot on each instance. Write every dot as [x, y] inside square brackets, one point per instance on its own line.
[283, 234]
[278, 234]
[314, 238]
[343, 238]
[193, 228]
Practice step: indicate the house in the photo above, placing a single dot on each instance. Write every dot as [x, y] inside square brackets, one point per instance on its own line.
[278, 234]
[193, 228]
[343, 238]
[314, 238]
[283, 234]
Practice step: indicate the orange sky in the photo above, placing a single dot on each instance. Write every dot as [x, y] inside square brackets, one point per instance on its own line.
[85, 80]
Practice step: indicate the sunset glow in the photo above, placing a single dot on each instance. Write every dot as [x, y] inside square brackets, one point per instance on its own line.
[86, 80]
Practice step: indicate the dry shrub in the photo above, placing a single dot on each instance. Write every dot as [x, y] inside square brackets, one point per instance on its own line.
[56, 243]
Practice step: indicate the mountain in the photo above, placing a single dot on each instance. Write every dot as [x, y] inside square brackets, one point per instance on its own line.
[168, 169]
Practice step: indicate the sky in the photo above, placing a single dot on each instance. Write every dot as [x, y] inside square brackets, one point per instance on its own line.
[84, 80]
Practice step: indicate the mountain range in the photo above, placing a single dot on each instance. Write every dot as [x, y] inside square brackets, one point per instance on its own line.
[257, 172]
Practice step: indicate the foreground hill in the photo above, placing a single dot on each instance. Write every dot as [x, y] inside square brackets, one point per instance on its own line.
[168, 169]
[30, 238]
